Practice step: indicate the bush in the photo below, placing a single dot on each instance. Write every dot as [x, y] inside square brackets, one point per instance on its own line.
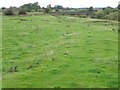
[22, 11]
[99, 15]
[56, 10]
[112, 16]
[83, 16]
[47, 10]
[40, 10]
[9, 12]
[106, 13]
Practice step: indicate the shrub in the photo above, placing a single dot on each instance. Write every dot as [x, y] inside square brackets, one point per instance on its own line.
[22, 11]
[83, 16]
[40, 10]
[47, 10]
[99, 15]
[56, 10]
[108, 10]
[112, 16]
[9, 12]
[90, 9]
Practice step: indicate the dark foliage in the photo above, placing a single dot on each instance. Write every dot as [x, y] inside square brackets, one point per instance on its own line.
[9, 12]
[22, 11]
[47, 10]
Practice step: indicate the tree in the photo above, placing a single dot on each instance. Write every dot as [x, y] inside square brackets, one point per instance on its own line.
[118, 6]
[43, 7]
[58, 7]
[3, 8]
[108, 10]
[14, 8]
[31, 7]
[90, 9]
[49, 6]
[35, 6]
[27, 7]
[107, 7]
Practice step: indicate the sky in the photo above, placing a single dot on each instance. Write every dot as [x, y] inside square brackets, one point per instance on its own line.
[64, 3]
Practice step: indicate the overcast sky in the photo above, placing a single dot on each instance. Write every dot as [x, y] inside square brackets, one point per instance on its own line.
[64, 3]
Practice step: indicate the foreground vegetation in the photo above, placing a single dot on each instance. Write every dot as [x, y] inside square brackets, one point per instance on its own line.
[59, 52]
[0, 51]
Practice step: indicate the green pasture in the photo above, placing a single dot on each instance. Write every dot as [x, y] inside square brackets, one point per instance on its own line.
[59, 52]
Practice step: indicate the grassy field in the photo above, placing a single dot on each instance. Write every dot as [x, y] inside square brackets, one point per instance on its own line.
[59, 52]
[0, 51]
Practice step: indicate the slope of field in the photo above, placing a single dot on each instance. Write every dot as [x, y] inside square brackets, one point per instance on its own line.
[59, 52]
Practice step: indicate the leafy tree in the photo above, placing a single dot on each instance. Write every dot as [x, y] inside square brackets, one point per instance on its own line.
[3, 8]
[118, 6]
[43, 7]
[49, 6]
[27, 7]
[36, 6]
[14, 8]
[107, 7]
[58, 7]
[90, 9]
[108, 10]
[31, 6]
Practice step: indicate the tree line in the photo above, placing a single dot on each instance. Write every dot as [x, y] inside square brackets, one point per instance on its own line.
[102, 13]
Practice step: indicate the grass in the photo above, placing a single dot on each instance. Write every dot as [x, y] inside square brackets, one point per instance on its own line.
[59, 52]
[0, 51]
